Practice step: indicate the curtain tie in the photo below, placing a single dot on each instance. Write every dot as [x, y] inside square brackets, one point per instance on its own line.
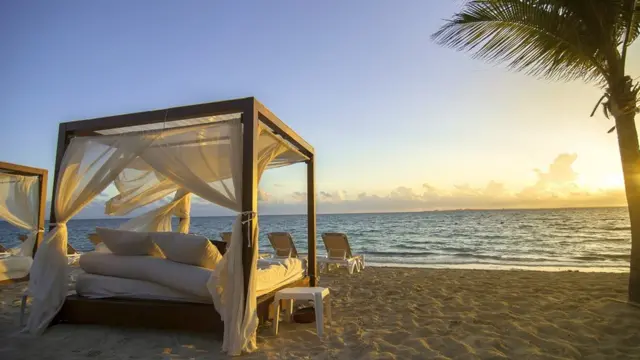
[251, 214]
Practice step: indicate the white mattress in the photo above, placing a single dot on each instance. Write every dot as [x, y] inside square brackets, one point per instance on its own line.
[100, 286]
[142, 277]
[14, 266]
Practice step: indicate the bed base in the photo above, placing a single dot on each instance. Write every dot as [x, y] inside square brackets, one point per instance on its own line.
[13, 281]
[155, 314]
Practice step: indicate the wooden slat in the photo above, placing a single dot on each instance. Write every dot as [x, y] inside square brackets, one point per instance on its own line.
[42, 203]
[13, 281]
[154, 314]
[279, 127]
[311, 221]
[63, 142]
[158, 116]
[21, 169]
[249, 188]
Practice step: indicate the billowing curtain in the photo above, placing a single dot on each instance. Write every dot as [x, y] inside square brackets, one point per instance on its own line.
[19, 206]
[138, 185]
[159, 219]
[183, 210]
[87, 168]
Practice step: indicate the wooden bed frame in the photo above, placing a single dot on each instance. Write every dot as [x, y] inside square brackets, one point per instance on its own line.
[155, 314]
[13, 281]
[43, 176]
[183, 315]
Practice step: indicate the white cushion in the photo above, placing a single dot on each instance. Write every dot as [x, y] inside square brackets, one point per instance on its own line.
[180, 277]
[129, 243]
[187, 249]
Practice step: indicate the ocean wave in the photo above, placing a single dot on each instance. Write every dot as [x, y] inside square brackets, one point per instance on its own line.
[604, 240]
[399, 253]
[602, 257]
[617, 228]
[502, 257]
[414, 245]
[457, 249]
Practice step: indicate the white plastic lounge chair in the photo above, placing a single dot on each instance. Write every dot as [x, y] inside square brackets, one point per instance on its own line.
[283, 245]
[339, 253]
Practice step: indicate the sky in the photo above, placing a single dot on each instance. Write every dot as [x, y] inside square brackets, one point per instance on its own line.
[398, 123]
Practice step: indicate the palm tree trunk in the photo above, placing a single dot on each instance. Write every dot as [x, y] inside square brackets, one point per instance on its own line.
[630, 156]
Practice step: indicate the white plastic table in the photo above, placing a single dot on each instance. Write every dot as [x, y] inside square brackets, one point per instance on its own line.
[315, 294]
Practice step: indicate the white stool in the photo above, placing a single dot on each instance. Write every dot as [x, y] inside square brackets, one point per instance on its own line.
[315, 294]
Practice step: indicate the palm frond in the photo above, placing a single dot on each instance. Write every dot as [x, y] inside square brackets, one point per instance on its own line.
[546, 38]
[630, 20]
[631, 16]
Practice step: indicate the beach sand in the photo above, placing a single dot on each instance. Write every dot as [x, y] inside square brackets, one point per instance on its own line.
[393, 313]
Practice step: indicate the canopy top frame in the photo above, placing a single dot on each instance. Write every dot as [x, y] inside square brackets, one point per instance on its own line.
[43, 176]
[91, 127]
[22, 170]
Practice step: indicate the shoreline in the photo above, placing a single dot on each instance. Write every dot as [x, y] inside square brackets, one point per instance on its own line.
[502, 267]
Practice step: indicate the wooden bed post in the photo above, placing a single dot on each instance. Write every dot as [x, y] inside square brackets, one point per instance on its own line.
[60, 149]
[249, 187]
[311, 221]
[63, 143]
[42, 191]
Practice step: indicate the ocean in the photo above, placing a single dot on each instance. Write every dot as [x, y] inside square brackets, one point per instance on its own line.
[559, 239]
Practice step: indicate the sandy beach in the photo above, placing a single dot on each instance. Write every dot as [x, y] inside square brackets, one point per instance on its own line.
[393, 313]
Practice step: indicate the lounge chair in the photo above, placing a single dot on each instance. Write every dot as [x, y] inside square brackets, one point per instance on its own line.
[339, 253]
[283, 245]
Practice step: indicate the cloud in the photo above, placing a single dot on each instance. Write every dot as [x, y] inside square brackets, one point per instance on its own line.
[555, 186]
[558, 179]
[335, 196]
[299, 196]
[263, 195]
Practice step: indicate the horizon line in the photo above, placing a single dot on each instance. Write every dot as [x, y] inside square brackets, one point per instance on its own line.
[397, 212]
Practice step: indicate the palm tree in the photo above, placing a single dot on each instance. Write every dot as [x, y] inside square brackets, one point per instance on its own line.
[566, 40]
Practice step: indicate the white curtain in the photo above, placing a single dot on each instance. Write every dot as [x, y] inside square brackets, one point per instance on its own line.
[139, 184]
[86, 170]
[159, 219]
[19, 206]
[183, 210]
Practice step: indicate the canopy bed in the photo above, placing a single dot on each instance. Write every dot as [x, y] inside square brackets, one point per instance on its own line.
[217, 151]
[23, 193]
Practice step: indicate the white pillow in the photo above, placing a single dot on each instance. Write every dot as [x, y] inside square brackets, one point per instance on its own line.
[128, 243]
[187, 249]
